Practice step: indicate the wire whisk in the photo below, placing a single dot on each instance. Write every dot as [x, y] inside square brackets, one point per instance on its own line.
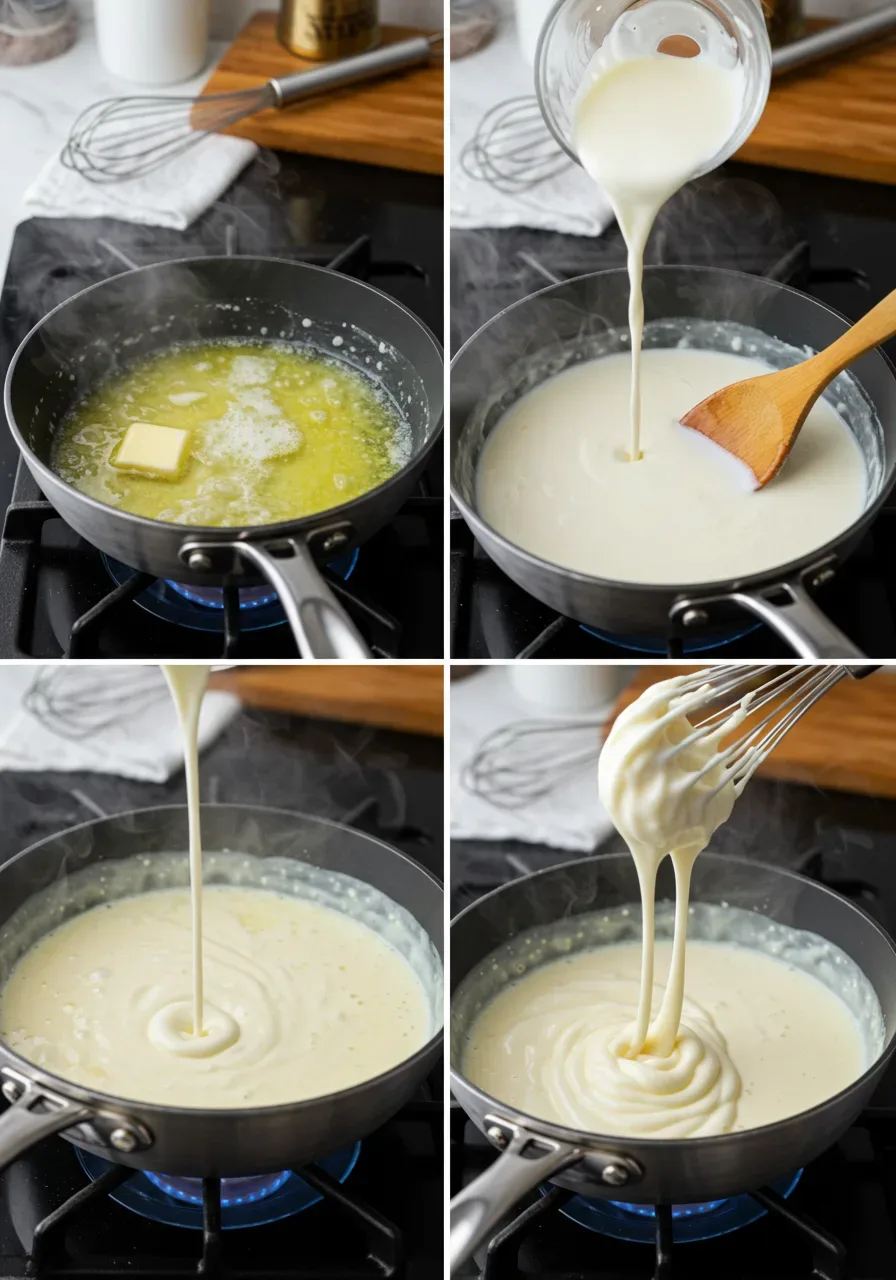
[123, 138]
[523, 762]
[80, 702]
[512, 149]
[718, 699]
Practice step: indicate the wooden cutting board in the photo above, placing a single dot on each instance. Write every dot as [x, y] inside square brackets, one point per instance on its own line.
[836, 117]
[846, 742]
[396, 121]
[409, 699]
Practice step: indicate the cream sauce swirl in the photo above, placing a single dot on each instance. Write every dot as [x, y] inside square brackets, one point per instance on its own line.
[302, 1000]
[552, 1042]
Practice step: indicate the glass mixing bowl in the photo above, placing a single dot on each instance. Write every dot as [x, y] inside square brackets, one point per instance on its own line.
[733, 31]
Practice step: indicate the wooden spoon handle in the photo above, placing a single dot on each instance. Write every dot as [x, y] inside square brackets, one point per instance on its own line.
[874, 328]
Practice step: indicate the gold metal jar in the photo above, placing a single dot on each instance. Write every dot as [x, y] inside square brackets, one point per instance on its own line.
[328, 29]
[784, 20]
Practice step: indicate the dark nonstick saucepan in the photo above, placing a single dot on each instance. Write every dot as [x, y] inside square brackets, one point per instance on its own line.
[187, 1141]
[586, 317]
[584, 900]
[138, 313]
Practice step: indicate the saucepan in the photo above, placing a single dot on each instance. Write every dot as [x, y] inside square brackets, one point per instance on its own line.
[59, 876]
[140, 312]
[577, 904]
[587, 317]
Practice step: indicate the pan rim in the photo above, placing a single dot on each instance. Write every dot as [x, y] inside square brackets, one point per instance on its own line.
[224, 533]
[112, 1102]
[586, 1140]
[724, 586]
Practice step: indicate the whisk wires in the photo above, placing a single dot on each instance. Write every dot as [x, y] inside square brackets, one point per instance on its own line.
[784, 694]
[523, 762]
[124, 138]
[79, 702]
[512, 149]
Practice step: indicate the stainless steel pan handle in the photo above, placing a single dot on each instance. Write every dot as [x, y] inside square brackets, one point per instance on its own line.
[477, 1210]
[37, 1113]
[799, 621]
[527, 1158]
[32, 1117]
[321, 626]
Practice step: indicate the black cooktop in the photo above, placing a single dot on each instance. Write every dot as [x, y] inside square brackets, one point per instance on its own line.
[838, 1222]
[385, 1217]
[383, 1220]
[829, 237]
[58, 595]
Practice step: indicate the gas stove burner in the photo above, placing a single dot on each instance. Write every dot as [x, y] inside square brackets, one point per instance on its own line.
[690, 1222]
[213, 597]
[233, 1190]
[254, 597]
[202, 608]
[245, 1202]
[709, 638]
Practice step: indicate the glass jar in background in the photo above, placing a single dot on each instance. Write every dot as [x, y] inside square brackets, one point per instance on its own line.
[152, 42]
[576, 29]
[35, 30]
[531, 16]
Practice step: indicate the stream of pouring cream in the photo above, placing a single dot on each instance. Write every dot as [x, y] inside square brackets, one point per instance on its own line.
[188, 686]
[643, 127]
[665, 802]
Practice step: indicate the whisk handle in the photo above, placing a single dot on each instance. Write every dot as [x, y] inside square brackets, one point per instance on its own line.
[334, 75]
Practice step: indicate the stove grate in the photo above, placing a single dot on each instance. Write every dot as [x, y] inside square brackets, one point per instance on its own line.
[384, 1243]
[371, 1245]
[25, 552]
[503, 1253]
[55, 600]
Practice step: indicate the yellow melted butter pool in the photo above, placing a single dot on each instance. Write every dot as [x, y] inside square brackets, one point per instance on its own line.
[276, 432]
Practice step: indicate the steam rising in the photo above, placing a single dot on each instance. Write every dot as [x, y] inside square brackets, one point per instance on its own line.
[714, 221]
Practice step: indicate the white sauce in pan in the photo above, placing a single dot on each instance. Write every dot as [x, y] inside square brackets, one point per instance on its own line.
[555, 479]
[214, 996]
[732, 1039]
[300, 1001]
[759, 1041]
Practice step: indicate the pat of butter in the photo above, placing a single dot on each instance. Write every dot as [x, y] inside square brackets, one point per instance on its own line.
[153, 450]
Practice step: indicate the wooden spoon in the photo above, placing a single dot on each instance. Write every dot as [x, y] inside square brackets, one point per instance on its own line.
[758, 420]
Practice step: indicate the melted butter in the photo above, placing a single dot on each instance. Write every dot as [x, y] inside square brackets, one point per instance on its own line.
[319, 1001]
[276, 432]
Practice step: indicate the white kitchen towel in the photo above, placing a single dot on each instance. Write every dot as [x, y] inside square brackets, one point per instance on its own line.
[569, 202]
[102, 719]
[570, 817]
[174, 195]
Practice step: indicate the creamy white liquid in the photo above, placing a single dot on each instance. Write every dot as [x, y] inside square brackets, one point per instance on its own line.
[301, 1000]
[188, 686]
[554, 477]
[760, 1041]
[662, 802]
[643, 127]
[594, 1042]
[216, 997]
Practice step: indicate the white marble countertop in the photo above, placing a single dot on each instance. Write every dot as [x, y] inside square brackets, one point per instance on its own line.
[37, 107]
